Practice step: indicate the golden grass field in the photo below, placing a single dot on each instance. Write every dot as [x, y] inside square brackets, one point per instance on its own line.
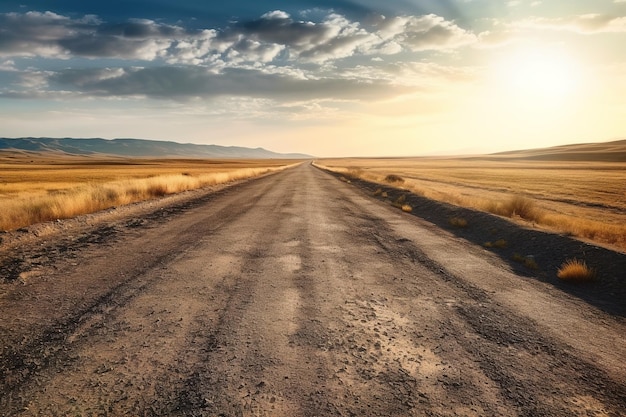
[583, 199]
[38, 188]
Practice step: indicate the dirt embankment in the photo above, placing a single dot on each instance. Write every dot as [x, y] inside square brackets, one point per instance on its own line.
[295, 295]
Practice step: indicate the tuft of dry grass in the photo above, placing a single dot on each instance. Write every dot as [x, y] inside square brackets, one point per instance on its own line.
[500, 244]
[523, 207]
[575, 270]
[406, 208]
[354, 173]
[528, 261]
[399, 202]
[458, 222]
[393, 178]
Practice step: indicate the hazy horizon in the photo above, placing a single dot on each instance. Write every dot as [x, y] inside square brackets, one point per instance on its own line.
[330, 79]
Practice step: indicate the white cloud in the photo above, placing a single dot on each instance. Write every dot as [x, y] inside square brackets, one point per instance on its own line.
[50, 35]
[8, 65]
[33, 79]
[433, 32]
[276, 14]
[274, 56]
[262, 40]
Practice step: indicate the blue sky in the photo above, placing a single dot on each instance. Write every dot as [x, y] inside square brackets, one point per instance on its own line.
[330, 78]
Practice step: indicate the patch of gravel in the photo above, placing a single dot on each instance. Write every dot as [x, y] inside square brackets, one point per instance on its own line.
[548, 250]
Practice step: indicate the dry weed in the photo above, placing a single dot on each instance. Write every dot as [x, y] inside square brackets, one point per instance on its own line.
[575, 270]
[393, 178]
[528, 261]
[458, 222]
[399, 202]
[519, 206]
[500, 244]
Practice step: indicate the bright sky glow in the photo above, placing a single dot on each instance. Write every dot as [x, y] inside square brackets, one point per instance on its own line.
[540, 74]
[329, 78]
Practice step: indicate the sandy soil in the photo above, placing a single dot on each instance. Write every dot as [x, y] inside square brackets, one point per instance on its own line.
[294, 294]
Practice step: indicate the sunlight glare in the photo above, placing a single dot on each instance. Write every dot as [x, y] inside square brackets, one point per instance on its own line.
[538, 74]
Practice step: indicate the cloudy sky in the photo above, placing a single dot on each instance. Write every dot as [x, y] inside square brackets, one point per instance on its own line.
[329, 78]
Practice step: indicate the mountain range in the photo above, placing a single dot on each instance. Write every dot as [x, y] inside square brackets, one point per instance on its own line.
[139, 148]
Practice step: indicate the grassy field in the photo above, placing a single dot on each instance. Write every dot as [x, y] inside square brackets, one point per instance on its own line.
[40, 188]
[584, 199]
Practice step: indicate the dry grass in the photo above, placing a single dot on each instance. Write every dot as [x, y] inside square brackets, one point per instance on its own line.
[519, 206]
[583, 199]
[406, 208]
[34, 193]
[575, 270]
[458, 222]
[500, 244]
[528, 261]
[393, 178]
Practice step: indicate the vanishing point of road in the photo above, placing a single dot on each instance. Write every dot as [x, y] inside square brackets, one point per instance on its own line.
[296, 294]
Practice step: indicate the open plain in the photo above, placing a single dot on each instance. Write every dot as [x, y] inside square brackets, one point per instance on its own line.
[41, 186]
[297, 294]
[575, 189]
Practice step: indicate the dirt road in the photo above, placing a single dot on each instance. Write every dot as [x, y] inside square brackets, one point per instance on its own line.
[298, 295]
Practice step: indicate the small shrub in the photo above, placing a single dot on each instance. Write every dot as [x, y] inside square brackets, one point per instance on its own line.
[378, 192]
[518, 258]
[399, 202]
[528, 261]
[575, 270]
[500, 243]
[392, 178]
[157, 190]
[458, 222]
[401, 199]
[521, 206]
[406, 208]
[354, 173]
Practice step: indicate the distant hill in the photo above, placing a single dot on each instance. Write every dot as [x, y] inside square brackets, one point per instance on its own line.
[139, 148]
[601, 152]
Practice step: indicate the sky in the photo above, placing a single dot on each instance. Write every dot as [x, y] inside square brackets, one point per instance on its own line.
[327, 78]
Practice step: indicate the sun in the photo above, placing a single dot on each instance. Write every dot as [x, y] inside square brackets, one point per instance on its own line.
[538, 74]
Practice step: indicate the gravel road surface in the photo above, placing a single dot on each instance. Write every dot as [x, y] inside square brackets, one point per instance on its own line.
[297, 295]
